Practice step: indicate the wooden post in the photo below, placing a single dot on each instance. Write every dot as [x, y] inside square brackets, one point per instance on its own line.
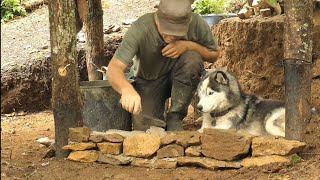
[92, 16]
[66, 101]
[297, 64]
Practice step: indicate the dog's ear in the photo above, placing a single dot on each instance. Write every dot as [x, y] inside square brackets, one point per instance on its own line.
[221, 78]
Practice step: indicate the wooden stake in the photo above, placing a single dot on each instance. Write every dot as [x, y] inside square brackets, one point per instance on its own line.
[298, 58]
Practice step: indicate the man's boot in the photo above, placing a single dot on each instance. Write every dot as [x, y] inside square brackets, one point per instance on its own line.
[181, 96]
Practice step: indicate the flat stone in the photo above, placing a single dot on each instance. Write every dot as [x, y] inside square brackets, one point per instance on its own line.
[184, 137]
[170, 151]
[141, 145]
[157, 130]
[195, 139]
[168, 139]
[116, 138]
[80, 146]
[169, 163]
[114, 159]
[267, 145]
[207, 163]
[84, 156]
[264, 160]
[79, 134]
[225, 144]
[165, 164]
[124, 133]
[193, 151]
[110, 148]
[96, 138]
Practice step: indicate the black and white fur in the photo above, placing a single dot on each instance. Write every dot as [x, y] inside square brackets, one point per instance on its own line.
[224, 106]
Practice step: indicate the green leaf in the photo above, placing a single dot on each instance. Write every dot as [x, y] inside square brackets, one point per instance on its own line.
[295, 159]
[11, 8]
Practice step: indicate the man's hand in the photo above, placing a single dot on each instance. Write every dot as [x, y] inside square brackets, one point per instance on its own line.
[131, 101]
[175, 49]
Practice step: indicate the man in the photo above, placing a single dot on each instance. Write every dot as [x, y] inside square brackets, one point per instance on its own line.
[168, 47]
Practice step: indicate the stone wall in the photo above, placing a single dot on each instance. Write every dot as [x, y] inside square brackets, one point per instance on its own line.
[156, 148]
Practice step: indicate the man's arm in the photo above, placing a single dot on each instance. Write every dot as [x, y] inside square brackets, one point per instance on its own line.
[130, 99]
[175, 49]
[205, 53]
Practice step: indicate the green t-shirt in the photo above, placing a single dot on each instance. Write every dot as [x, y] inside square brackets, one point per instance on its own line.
[142, 44]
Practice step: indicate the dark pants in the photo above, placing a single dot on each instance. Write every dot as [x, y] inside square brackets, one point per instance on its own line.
[187, 71]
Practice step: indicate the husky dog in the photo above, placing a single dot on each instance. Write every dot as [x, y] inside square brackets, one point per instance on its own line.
[224, 106]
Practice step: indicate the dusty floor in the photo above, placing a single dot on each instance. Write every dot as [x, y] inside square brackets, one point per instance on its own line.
[22, 156]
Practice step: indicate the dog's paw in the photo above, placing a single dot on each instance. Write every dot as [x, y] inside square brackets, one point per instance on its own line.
[200, 119]
[200, 130]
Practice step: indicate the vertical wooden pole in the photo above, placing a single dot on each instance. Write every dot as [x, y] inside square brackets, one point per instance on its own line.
[93, 21]
[66, 100]
[297, 64]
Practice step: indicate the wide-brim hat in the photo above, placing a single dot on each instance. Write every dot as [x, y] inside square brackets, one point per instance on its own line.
[174, 16]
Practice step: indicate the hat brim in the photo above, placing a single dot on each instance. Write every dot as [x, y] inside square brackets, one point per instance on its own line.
[174, 29]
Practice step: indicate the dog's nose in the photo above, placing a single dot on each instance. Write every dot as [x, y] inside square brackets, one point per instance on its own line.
[199, 107]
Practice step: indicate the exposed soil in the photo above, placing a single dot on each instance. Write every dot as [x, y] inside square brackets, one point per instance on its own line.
[21, 158]
[25, 42]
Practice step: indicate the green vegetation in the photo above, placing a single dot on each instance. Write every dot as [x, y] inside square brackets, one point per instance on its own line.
[295, 159]
[205, 7]
[274, 2]
[10, 9]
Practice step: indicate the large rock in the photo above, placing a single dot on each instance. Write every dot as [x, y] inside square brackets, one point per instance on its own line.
[170, 151]
[225, 144]
[114, 159]
[84, 156]
[80, 146]
[207, 163]
[262, 146]
[79, 134]
[264, 160]
[141, 145]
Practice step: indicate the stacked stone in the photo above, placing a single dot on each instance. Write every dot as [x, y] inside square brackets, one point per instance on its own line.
[157, 148]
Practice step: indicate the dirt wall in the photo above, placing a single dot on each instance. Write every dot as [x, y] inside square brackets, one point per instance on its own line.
[253, 50]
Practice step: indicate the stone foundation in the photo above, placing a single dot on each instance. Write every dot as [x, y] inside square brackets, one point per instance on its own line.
[156, 148]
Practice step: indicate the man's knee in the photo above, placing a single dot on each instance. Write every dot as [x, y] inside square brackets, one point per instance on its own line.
[188, 68]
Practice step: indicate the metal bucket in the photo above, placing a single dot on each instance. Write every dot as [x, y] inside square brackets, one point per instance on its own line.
[213, 19]
[101, 108]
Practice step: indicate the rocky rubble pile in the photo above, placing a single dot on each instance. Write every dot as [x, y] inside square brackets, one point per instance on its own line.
[156, 148]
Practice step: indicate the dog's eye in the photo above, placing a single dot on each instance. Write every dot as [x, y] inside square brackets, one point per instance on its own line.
[210, 93]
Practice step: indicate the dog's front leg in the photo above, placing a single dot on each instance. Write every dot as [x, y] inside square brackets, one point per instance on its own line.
[206, 122]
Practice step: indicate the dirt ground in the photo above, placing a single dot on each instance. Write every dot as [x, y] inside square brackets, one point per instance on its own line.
[22, 156]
